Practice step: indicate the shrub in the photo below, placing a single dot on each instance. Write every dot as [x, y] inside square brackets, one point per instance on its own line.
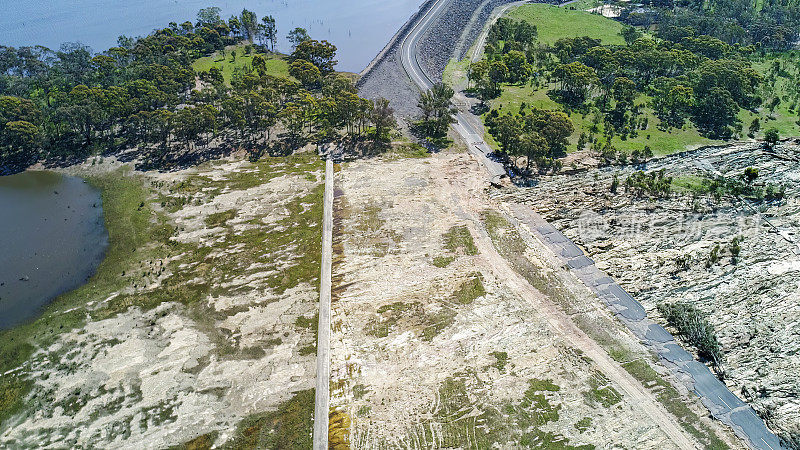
[692, 325]
[713, 257]
[655, 184]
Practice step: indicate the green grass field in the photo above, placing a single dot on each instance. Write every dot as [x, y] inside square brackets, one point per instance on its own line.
[582, 5]
[276, 63]
[661, 142]
[554, 23]
[786, 114]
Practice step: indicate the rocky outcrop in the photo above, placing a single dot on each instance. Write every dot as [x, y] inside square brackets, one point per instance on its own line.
[663, 250]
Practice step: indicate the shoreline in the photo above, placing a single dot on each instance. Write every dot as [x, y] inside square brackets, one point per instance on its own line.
[38, 276]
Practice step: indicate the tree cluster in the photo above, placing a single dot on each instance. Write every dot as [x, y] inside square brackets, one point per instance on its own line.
[510, 54]
[144, 94]
[704, 80]
[437, 111]
[653, 184]
[537, 136]
[772, 24]
[692, 325]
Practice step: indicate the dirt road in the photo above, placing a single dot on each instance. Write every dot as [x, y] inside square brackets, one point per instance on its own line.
[466, 191]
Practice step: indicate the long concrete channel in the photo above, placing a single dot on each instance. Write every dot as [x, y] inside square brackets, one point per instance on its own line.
[720, 401]
[322, 392]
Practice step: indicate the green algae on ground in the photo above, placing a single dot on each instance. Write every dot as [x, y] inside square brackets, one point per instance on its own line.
[467, 422]
[202, 442]
[459, 240]
[135, 232]
[470, 289]
[288, 427]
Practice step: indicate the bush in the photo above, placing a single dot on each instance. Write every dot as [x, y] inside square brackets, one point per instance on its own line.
[655, 184]
[692, 325]
[771, 136]
[735, 248]
[713, 257]
[750, 174]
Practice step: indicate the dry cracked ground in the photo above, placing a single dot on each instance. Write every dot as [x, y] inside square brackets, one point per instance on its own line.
[210, 337]
[682, 248]
[441, 338]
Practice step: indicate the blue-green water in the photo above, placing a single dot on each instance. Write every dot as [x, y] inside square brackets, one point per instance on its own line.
[359, 28]
[52, 238]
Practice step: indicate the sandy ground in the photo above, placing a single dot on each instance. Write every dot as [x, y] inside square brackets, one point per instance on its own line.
[154, 378]
[415, 365]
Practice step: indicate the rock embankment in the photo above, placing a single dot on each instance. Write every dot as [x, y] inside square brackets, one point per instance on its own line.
[453, 33]
[450, 36]
[736, 260]
[385, 76]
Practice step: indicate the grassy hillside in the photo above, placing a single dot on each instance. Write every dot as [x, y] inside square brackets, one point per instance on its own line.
[554, 23]
[276, 63]
[661, 142]
[781, 72]
[779, 90]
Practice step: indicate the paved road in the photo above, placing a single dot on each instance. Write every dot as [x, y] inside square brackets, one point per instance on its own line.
[322, 401]
[464, 125]
[723, 404]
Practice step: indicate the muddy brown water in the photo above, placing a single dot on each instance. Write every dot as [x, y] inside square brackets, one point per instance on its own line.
[52, 239]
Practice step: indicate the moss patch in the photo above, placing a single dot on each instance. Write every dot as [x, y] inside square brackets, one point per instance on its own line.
[500, 360]
[389, 316]
[470, 289]
[435, 323]
[220, 218]
[466, 422]
[584, 424]
[289, 427]
[202, 442]
[459, 240]
[601, 392]
[443, 261]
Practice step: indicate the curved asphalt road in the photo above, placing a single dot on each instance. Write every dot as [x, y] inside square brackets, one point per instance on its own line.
[720, 401]
[408, 57]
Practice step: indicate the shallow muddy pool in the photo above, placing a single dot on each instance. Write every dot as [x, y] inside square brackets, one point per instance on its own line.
[52, 238]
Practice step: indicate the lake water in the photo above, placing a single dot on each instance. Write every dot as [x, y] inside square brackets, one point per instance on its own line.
[359, 28]
[52, 238]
